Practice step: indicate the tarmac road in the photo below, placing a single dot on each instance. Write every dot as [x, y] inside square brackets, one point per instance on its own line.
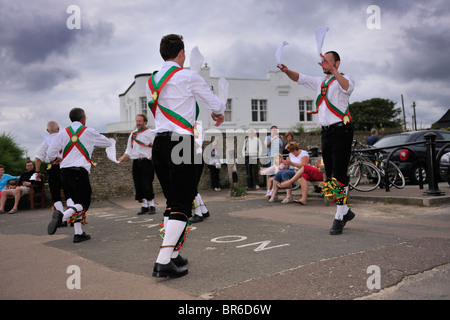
[247, 250]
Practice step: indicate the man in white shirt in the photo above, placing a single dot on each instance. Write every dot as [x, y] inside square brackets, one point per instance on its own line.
[139, 149]
[334, 90]
[77, 142]
[172, 94]
[53, 170]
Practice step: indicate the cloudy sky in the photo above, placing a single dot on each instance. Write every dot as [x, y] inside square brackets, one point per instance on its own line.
[47, 68]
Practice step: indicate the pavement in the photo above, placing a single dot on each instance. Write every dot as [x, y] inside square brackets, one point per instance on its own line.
[396, 248]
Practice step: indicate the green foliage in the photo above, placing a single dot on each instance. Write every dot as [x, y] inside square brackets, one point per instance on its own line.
[375, 113]
[11, 155]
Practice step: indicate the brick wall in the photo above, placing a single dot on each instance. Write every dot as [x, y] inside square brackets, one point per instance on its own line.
[110, 180]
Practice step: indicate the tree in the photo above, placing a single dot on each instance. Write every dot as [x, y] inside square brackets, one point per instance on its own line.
[375, 113]
[11, 155]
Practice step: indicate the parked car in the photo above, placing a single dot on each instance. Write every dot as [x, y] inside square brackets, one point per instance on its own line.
[444, 168]
[409, 164]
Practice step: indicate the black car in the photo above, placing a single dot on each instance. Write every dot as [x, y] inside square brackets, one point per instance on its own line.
[404, 158]
[444, 168]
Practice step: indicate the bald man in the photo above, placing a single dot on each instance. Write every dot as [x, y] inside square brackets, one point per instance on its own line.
[53, 172]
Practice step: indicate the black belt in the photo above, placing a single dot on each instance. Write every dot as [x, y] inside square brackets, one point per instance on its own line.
[164, 134]
[334, 125]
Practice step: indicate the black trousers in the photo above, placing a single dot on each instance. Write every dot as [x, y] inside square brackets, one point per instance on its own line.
[173, 160]
[336, 151]
[252, 168]
[143, 175]
[77, 186]
[55, 182]
[215, 176]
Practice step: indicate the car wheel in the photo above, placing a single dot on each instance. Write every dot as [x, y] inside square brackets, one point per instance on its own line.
[415, 174]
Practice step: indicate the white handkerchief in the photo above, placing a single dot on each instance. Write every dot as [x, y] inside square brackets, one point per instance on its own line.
[196, 59]
[111, 151]
[320, 36]
[223, 90]
[279, 52]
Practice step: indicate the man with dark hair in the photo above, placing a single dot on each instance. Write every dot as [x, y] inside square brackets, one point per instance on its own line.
[77, 142]
[139, 149]
[334, 90]
[173, 93]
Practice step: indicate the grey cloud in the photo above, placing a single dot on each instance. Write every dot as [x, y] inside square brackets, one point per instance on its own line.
[41, 79]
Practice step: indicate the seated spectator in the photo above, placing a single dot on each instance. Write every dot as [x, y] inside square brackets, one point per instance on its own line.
[23, 188]
[305, 174]
[5, 178]
[373, 137]
[297, 159]
[278, 164]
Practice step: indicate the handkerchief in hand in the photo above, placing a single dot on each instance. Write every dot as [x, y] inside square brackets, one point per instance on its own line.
[196, 60]
[320, 36]
[279, 52]
[111, 151]
[223, 90]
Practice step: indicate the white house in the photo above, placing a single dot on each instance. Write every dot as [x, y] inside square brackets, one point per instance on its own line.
[252, 103]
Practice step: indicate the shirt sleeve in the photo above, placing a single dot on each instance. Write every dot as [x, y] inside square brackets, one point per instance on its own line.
[42, 151]
[203, 93]
[309, 82]
[351, 82]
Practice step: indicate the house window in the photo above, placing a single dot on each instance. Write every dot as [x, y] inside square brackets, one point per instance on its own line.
[305, 106]
[259, 110]
[228, 110]
[144, 106]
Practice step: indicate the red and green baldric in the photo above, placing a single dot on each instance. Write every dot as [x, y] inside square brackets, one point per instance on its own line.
[75, 142]
[169, 114]
[134, 136]
[323, 96]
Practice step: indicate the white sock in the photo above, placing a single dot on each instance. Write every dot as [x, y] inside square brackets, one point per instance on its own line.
[144, 203]
[200, 203]
[77, 228]
[340, 211]
[59, 206]
[152, 203]
[174, 229]
[70, 202]
[198, 211]
[69, 212]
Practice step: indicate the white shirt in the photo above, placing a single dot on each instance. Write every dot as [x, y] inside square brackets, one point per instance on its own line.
[90, 138]
[180, 95]
[137, 151]
[337, 96]
[252, 147]
[42, 151]
[298, 159]
[199, 134]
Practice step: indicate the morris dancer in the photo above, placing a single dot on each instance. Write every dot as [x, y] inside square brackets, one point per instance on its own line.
[77, 142]
[172, 94]
[139, 148]
[334, 90]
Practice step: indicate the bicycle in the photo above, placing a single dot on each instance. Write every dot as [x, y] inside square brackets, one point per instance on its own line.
[367, 171]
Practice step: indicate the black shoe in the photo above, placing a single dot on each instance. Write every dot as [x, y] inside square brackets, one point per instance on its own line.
[81, 237]
[144, 210]
[205, 215]
[196, 219]
[179, 261]
[64, 224]
[168, 270]
[337, 227]
[56, 222]
[151, 210]
[347, 217]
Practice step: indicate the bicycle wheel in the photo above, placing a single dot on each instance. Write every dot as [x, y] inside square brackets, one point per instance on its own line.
[395, 175]
[364, 176]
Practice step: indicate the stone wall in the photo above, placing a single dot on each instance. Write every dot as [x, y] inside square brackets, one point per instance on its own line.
[110, 180]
